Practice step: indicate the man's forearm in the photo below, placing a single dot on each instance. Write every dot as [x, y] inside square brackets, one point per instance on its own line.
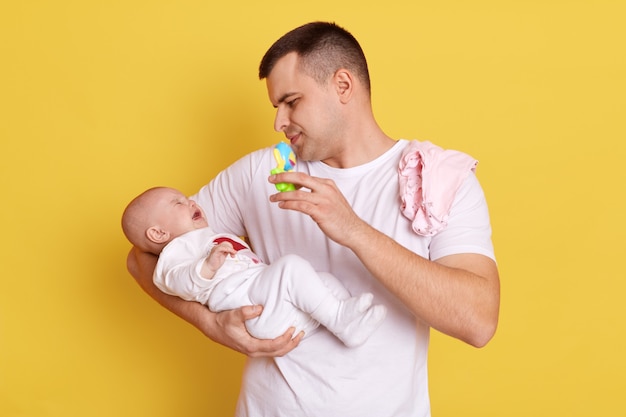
[458, 295]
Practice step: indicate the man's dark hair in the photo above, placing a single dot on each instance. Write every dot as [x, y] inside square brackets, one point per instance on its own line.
[323, 48]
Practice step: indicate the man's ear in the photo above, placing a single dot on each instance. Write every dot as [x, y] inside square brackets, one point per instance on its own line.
[157, 235]
[344, 84]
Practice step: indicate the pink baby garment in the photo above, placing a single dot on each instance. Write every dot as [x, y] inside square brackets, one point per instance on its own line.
[429, 178]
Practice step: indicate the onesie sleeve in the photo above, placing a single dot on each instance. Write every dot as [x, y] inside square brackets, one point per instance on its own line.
[178, 273]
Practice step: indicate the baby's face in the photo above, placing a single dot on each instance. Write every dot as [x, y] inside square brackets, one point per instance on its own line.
[178, 214]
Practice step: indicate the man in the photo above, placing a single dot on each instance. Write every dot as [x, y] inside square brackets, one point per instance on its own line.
[345, 218]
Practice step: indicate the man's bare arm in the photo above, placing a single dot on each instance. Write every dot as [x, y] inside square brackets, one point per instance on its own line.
[226, 328]
[458, 295]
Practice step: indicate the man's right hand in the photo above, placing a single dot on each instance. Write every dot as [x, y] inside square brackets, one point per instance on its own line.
[232, 333]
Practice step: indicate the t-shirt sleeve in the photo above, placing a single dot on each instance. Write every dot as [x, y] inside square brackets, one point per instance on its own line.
[469, 228]
[224, 198]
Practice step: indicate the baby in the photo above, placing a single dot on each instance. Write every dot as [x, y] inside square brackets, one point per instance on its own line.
[220, 271]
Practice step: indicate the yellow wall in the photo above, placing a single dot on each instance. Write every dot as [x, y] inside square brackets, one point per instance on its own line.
[99, 100]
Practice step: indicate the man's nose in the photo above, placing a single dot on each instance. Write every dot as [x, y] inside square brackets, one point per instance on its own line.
[280, 121]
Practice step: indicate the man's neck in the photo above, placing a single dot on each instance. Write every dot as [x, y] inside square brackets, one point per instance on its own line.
[362, 149]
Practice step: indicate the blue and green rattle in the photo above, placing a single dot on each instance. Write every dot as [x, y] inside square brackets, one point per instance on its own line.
[286, 161]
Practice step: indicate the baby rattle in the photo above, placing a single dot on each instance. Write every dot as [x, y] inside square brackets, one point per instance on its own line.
[286, 161]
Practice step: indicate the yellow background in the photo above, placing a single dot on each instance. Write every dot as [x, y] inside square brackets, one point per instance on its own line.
[101, 99]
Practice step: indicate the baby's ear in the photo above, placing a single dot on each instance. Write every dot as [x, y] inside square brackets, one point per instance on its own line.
[157, 235]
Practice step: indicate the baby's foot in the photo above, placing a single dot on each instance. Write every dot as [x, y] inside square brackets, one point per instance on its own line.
[354, 307]
[361, 328]
[336, 315]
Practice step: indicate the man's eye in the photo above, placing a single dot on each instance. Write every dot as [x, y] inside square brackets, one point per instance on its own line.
[291, 103]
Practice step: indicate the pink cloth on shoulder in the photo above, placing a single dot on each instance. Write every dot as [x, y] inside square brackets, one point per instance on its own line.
[429, 178]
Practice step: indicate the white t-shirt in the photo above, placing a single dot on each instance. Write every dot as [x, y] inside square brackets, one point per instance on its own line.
[387, 376]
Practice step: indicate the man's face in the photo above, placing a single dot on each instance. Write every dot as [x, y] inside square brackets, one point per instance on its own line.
[308, 113]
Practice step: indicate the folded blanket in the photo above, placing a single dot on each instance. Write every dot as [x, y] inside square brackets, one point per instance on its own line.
[429, 178]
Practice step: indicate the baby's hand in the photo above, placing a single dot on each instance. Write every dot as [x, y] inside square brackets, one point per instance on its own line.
[216, 259]
[219, 253]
